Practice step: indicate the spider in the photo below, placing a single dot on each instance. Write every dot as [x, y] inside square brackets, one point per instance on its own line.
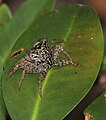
[39, 59]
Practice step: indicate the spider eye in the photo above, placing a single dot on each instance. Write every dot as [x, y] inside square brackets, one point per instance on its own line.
[38, 47]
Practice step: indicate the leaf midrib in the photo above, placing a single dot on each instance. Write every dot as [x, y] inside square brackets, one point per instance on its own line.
[38, 100]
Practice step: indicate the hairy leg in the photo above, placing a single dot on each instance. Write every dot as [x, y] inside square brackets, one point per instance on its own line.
[70, 61]
[67, 62]
[57, 41]
[13, 70]
[21, 80]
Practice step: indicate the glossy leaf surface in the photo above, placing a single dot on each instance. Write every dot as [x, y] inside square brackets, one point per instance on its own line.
[23, 18]
[64, 87]
[5, 17]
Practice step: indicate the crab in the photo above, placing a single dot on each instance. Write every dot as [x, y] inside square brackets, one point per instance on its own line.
[40, 58]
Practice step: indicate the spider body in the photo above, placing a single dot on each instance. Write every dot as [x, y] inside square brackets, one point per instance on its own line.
[39, 59]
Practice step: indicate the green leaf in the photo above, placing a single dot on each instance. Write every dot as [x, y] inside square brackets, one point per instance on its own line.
[104, 63]
[2, 105]
[48, 7]
[64, 87]
[24, 17]
[5, 17]
[98, 108]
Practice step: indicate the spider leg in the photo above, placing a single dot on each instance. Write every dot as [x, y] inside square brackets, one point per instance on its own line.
[71, 61]
[67, 55]
[16, 53]
[13, 70]
[41, 79]
[57, 41]
[67, 62]
[22, 79]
